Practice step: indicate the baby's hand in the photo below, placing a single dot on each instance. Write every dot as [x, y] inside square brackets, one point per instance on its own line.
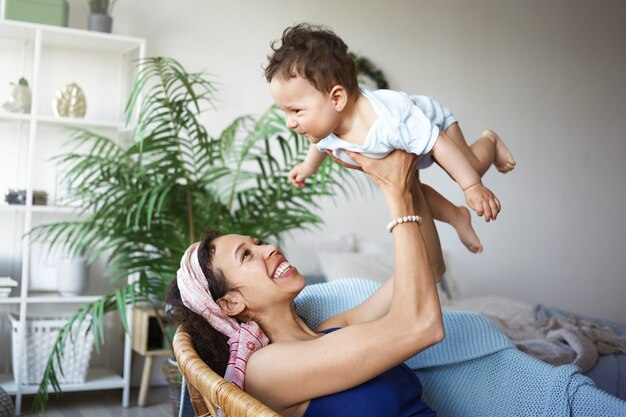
[299, 174]
[482, 201]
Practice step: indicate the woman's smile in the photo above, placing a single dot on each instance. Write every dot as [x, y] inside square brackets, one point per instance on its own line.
[283, 270]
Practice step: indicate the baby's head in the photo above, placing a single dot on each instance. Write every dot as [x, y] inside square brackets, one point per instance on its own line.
[316, 54]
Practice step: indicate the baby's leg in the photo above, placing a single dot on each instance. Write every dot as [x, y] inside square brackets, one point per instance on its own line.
[489, 149]
[457, 217]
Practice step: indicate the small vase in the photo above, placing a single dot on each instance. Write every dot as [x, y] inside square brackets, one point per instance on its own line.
[100, 23]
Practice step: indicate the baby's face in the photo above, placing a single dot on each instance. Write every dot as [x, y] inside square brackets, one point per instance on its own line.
[308, 111]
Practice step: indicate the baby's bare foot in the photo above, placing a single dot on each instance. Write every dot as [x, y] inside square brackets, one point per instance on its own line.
[463, 226]
[504, 158]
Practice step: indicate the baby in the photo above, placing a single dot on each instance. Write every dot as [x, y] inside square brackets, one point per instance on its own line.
[313, 80]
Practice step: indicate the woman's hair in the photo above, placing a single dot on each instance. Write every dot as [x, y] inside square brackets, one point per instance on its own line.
[315, 53]
[210, 344]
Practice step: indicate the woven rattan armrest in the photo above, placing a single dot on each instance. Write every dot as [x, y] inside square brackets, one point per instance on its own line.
[207, 388]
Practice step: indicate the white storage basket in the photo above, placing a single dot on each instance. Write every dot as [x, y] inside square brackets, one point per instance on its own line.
[41, 333]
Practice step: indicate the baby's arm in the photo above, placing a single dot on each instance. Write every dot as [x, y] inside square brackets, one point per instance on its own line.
[308, 167]
[477, 196]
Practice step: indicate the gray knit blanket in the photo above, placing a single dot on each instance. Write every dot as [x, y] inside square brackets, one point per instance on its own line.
[561, 341]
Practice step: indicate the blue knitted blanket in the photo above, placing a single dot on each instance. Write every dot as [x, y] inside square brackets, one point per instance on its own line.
[476, 371]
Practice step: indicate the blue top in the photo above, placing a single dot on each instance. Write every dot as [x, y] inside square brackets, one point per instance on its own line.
[395, 393]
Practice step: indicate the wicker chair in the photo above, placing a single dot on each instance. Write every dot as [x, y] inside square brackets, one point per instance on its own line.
[208, 390]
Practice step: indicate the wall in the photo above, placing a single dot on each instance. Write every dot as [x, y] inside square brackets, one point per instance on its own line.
[547, 75]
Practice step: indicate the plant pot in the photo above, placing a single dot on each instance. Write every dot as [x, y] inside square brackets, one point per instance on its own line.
[71, 276]
[100, 23]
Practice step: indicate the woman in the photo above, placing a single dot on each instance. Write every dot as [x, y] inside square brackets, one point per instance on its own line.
[351, 364]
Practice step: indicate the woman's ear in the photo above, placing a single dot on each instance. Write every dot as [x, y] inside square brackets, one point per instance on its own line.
[232, 303]
[339, 97]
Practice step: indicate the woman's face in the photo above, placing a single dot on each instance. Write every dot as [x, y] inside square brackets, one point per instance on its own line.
[258, 271]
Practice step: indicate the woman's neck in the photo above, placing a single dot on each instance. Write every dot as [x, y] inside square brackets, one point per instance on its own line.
[285, 325]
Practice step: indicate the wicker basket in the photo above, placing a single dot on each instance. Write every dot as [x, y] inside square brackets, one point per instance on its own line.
[41, 333]
[169, 367]
[6, 404]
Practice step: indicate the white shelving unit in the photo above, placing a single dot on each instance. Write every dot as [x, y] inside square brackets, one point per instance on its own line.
[49, 57]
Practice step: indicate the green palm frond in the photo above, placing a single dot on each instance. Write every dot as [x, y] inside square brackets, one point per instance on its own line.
[143, 204]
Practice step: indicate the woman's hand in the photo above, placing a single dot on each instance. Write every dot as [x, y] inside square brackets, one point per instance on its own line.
[339, 161]
[396, 171]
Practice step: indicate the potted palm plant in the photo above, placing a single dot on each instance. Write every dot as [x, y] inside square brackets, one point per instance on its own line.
[146, 202]
[100, 18]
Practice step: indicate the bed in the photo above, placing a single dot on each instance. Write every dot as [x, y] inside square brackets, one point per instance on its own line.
[476, 370]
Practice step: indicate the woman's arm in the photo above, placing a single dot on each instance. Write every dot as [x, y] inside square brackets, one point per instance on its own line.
[410, 254]
[359, 352]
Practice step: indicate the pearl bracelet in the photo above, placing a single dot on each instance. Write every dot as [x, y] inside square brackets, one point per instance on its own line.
[405, 219]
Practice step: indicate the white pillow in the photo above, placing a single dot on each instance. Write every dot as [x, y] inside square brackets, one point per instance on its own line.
[373, 266]
[371, 246]
[336, 265]
[301, 252]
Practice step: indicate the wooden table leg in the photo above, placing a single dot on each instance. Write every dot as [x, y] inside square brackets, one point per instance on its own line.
[145, 380]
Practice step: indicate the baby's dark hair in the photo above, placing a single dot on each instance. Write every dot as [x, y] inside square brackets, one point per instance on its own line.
[210, 344]
[315, 53]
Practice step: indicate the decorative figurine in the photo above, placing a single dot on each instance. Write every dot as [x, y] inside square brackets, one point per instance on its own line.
[20, 99]
[70, 102]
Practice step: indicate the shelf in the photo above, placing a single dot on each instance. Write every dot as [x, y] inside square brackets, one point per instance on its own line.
[97, 379]
[69, 121]
[17, 31]
[50, 56]
[85, 39]
[12, 207]
[14, 117]
[7, 382]
[10, 300]
[68, 37]
[157, 352]
[66, 121]
[59, 299]
[42, 209]
[56, 209]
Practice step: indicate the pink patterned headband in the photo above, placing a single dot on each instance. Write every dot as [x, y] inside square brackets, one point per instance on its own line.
[243, 339]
